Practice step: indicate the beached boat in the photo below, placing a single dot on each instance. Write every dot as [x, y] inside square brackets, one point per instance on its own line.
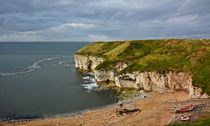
[185, 117]
[128, 110]
[185, 108]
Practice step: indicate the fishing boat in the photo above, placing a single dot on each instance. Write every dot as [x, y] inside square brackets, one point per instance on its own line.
[185, 108]
[185, 117]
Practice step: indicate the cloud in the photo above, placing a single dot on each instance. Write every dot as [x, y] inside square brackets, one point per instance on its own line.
[70, 27]
[21, 36]
[80, 25]
[98, 37]
[186, 19]
[91, 20]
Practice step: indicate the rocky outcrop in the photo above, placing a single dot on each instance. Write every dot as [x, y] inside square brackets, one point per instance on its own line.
[104, 75]
[109, 75]
[87, 62]
[153, 81]
[196, 92]
[148, 81]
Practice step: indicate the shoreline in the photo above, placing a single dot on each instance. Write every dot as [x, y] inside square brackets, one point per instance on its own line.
[77, 113]
[61, 115]
[156, 108]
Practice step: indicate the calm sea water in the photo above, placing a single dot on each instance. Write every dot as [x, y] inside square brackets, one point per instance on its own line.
[40, 79]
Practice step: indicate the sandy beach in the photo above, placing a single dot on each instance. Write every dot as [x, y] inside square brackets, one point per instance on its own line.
[156, 111]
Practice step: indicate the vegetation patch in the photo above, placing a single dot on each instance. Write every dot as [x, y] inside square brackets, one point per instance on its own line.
[201, 122]
[164, 55]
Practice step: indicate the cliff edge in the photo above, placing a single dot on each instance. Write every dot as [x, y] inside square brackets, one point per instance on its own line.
[152, 65]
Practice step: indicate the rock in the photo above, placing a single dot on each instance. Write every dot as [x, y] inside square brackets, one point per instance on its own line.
[120, 66]
[144, 81]
[104, 75]
[149, 81]
[196, 92]
[117, 82]
[153, 81]
[87, 62]
[122, 83]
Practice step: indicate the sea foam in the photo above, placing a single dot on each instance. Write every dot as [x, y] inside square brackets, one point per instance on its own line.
[89, 82]
[90, 86]
[30, 68]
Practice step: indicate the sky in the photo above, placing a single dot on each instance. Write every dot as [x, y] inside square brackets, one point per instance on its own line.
[103, 20]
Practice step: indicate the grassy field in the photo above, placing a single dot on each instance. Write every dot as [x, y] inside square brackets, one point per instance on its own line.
[157, 55]
[202, 122]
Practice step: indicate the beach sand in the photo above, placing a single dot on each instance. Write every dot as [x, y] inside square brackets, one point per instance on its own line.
[156, 111]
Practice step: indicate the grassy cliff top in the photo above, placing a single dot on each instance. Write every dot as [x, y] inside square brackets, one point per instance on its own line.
[157, 55]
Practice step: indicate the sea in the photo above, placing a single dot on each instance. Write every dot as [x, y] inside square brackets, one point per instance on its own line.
[39, 79]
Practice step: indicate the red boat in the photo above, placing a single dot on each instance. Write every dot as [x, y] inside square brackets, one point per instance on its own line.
[185, 108]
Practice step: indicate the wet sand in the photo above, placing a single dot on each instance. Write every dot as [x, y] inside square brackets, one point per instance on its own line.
[156, 111]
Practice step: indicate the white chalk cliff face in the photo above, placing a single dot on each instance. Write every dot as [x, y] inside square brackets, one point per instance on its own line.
[87, 62]
[148, 81]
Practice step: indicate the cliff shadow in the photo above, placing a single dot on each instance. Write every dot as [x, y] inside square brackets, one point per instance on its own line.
[90, 65]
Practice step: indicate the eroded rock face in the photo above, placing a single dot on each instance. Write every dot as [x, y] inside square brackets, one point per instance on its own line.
[196, 92]
[87, 62]
[109, 75]
[153, 81]
[120, 66]
[149, 81]
[104, 75]
[125, 82]
[143, 81]
[179, 80]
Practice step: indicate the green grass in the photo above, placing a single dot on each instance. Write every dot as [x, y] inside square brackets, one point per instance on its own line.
[157, 55]
[202, 122]
[98, 48]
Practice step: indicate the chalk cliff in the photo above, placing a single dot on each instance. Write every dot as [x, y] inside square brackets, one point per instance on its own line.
[163, 65]
[85, 62]
[148, 81]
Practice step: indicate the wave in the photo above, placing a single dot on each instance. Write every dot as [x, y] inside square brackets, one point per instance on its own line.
[86, 78]
[90, 86]
[89, 83]
[61, 62]
[14, 73]
[30, 68]
[93, 80]
[66, 65]
[90, 73]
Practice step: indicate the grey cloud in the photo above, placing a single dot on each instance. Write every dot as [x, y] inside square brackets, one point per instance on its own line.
[36, 20]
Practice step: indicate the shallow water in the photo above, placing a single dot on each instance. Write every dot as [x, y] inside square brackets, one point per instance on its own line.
[40, 79]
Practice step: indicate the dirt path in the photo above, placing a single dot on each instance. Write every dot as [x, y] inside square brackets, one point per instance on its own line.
[156, 111]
